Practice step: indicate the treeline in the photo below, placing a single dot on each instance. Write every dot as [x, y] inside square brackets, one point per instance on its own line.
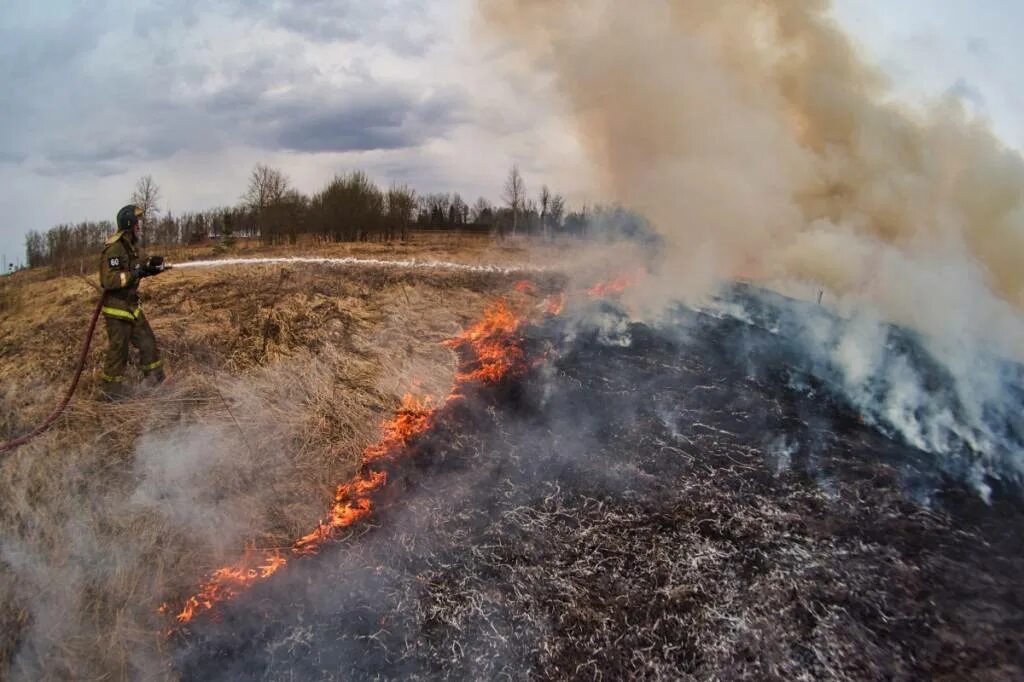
[61, 243]
[350, 207]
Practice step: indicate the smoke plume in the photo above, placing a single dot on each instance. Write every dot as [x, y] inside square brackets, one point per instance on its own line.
[760, 143]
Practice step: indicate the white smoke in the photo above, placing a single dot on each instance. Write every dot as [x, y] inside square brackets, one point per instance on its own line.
[961, 402]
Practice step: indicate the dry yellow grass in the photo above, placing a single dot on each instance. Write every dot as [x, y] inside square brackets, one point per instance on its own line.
[279, 377]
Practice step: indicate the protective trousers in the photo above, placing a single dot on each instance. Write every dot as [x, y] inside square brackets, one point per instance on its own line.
[122, 332]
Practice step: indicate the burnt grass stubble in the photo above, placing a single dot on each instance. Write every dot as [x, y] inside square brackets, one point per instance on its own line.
[626, 510]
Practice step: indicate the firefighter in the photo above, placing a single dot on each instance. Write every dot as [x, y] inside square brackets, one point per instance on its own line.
[122, 266]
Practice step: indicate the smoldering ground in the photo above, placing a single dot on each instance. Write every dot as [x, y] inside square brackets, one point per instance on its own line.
[954, 394]
[960, 406]
[688, 498]
[760, 143]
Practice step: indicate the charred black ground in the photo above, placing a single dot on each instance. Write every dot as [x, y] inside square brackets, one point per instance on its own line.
[650, 502]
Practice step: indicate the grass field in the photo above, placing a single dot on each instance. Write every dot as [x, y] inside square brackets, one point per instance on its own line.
[278, 378]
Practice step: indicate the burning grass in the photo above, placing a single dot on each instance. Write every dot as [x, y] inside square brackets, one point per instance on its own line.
[493, 350]
[280, 377]
[622, 513]
[626, 503]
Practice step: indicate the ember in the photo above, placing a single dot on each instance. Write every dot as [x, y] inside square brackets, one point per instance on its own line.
[553, 305]
[525, 286]
[609, 287]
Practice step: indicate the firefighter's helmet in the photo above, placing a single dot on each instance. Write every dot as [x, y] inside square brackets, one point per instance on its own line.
[128, 218]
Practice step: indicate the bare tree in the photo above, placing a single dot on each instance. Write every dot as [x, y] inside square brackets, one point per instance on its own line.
[264, 197]
[545, 205]
[436, 209]
[482, 211]
[401, 204]
[267, 186]
[515, 193]
[458, 211]
[556, 211]
[147, 197]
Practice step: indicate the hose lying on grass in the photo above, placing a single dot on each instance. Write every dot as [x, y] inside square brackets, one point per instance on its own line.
[17, 442]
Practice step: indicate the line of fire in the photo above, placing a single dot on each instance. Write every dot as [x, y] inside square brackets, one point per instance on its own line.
[488, 350]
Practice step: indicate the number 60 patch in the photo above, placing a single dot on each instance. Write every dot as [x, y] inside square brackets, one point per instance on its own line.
[114, 262]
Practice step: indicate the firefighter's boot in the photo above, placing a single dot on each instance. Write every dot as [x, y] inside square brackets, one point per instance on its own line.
[112, 391]
[155, 377]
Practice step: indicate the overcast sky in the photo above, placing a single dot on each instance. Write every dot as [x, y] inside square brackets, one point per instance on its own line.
[96, 94]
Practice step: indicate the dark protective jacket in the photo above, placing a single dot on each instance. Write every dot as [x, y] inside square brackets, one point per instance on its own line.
[118, 276]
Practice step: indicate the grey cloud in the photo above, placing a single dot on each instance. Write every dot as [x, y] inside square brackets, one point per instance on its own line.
[391, 120]
[61, 113]
[247, 83]
[234, 99]
[101, 158]
[95, 153]
[307, 19]
[361, 116]
[34, 61]
[397, 23]
[365, 117]
[27, 54]
[151, 20]
[12, 157]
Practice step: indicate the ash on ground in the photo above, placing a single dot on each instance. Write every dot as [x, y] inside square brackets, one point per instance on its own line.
[680, 501]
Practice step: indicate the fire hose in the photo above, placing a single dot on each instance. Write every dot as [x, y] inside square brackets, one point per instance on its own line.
[12, 444]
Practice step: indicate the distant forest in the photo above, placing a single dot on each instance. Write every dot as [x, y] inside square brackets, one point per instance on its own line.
[349, 208]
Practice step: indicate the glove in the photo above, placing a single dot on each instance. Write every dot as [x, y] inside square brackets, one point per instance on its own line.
[140, 271]
[154, 266]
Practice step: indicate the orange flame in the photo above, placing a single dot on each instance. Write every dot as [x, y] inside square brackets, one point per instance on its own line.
[226, 582]
[351, 503]
[612, 286]
[496, 347]
[525, 286]
[494, 342]
[413, 417]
